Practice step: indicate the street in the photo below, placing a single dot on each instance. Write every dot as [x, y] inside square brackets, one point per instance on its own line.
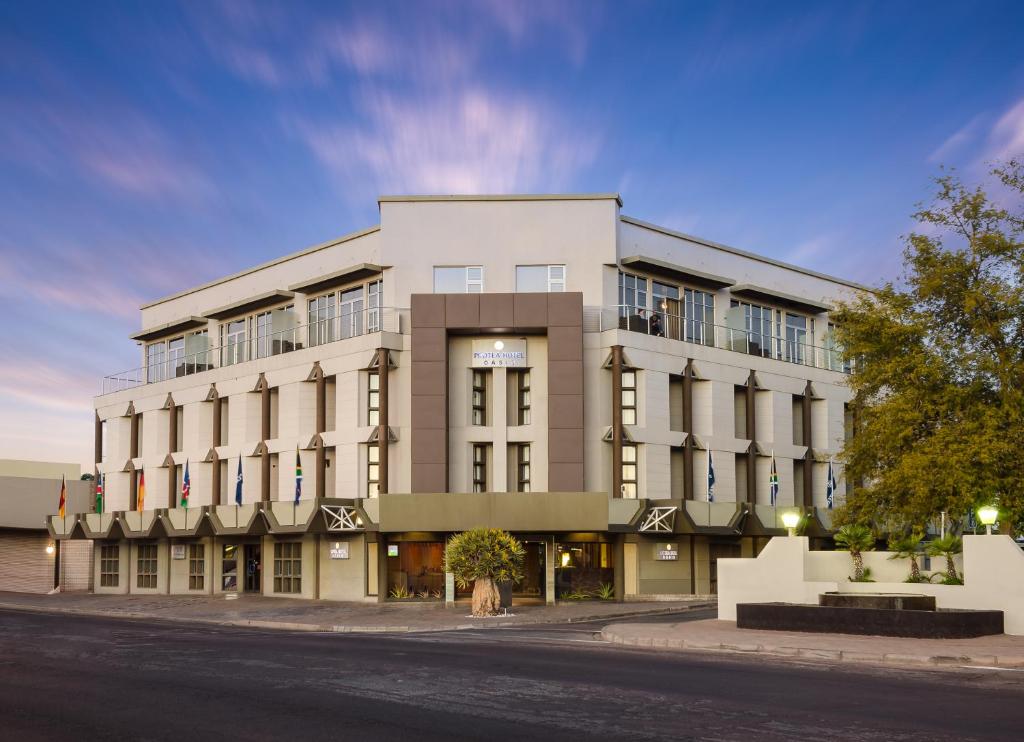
[64, 677]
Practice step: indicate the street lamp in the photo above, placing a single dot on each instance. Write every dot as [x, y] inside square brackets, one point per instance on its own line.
[791, 520]
[987, 515]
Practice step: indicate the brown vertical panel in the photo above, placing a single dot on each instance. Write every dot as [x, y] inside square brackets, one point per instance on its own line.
[616, 421]
[808, 458]
[384, 371]
[688, 429]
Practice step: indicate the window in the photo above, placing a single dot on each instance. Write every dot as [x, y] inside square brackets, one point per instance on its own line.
[459, 279]
[797, 327]
[288, 567]
[196, 566]
[352, 312]
[321, 320]
[523, 397]
[629, 470]
[374, 303]
[197, 352]
[264, 329]
[479, 467]
[229, 566]
[629, 397]
[632, 294]
[665, 319]
[233, 342]
[110, 565]
[757, 321]
[146, 577]
[176, 357]
[523, 468]
[699, 310]
[372, 471]
[540, 278]
[155, 362]
[480, 397]
[373, 399]
[834, 352]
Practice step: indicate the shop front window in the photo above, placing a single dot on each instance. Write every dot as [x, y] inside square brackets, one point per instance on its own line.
[583, 570]
[416, 570]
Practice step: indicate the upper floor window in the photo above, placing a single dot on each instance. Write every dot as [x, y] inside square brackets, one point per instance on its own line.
[155, 370]
[629, 471]
[372, 470]
[629, 397]
[523, 397]
[834, 352]
[321, 320]
[632, 293]
[757, 322]
[373, 399]
[479, 467]
[540, 278]
[462, 279]
[795, 347]
[233, 342]
[480, 397]
[374, 304]
[523, 468]
[699, 313]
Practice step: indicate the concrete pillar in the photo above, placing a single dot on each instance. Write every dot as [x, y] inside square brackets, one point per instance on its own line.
[384, 371]
[688, 429]
[616, 421]
[549, 570]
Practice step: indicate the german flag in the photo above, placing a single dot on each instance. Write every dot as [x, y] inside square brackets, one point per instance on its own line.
[62, 507]
[141, 499]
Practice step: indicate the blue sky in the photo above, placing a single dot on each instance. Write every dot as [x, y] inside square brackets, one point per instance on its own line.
[146, 147]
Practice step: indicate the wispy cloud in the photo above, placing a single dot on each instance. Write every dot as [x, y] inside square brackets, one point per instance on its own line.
[1007, 136]
[958, 140]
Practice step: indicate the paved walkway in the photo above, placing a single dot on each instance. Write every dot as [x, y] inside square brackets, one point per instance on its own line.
[292, 614]
[723, 636]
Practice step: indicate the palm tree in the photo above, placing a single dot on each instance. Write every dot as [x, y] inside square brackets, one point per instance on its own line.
[948, 546]
[907, 546]
[856, 539]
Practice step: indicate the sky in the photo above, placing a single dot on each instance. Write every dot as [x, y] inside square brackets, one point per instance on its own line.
[146, 147]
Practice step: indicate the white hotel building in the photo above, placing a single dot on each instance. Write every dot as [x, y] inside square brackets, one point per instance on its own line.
[541, 364]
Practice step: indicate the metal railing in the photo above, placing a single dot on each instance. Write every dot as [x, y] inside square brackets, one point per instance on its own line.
[176, 362]
[689, 330]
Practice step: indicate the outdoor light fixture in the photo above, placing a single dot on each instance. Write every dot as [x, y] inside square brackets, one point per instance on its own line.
[566, 558]
[50, 549]
[987, 515]
[791, 520]
[499, 344]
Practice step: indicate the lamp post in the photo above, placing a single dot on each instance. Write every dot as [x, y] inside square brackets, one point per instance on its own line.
[791, 520]
[987, 515]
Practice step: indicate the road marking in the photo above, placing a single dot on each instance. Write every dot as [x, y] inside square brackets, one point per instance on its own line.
[990, 667]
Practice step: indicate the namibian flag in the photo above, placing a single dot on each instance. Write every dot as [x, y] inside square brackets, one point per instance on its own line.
[62, 506]
[773, 482]
[298, 475]
[186, 488]
[99, 493]
[140, 500]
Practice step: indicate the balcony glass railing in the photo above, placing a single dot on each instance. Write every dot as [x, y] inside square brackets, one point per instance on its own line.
[792, 349]
[242, 347]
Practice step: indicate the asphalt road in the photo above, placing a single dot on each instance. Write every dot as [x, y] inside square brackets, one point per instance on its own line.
[69, 677]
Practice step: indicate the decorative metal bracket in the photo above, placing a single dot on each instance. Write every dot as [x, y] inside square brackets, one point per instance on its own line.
[660, 519]
[342, 518]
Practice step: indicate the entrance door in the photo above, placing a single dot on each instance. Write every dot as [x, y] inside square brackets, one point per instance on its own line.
[716, 551]
[534, 582]
[253, 568]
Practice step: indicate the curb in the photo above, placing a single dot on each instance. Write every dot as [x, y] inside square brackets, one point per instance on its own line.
[832, 655]
[255, 623]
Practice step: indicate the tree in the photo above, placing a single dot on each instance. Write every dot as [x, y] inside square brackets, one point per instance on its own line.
[938, 381]
[948, 546]
[907, 546]
[485, 557]
[856, 539]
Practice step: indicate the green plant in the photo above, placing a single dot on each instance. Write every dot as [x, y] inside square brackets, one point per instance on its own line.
[577, 594]
[855, 539]
[865, 576]
[400, 591]
[907, 546]
[484, 557]
[437, 594]
[947, 546]
[423, 594]
[606, 591]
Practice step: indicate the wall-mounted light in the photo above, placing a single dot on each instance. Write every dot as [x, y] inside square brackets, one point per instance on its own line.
[50, 549]
[988, 515]
[499, 344]
[791, 520]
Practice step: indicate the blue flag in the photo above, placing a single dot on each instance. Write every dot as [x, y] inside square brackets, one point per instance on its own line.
[773, 482]
[711, 478]
[830, 486]
[238, 483]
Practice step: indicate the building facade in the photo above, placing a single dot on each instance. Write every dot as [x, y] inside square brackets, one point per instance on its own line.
[541, 364]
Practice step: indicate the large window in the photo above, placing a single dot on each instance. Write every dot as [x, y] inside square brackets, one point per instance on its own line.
[523, 397]
[463, 279]
[632, 294]
[146, 566]
[834, 352]
[757, 321]
[110, 565]
[352, 312]
[374, 303]
[264, 328]
[629, 471]
[155, 370]
[699, 309]
[523, 468]
[479, 467]
[540, 278]
[176, 357]
[796, 348]
[373, 399]
[288, 567]
[196, 566]
[372, 470]
[229, 566]
[321, 320]
[629, 397]
[233, 342]
[480, 397]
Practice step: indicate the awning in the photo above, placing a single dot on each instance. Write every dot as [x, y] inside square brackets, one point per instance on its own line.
[773, 296]
[266, 299]
[658, 267]
[169, 328]
[356, 272]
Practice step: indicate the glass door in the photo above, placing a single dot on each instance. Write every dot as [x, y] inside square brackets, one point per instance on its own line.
[352, 312]
[253, 568]
[665, 319]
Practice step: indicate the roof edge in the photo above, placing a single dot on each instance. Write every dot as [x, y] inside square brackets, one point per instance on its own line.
[291, 256]
[505, 197]
[743, 253]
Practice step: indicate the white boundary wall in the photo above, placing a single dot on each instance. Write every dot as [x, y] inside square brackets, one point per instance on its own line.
[787, 571]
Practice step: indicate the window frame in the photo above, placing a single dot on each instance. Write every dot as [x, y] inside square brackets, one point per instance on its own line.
[524, 415]
[146, 566]
[478, 397]
[479, 467]
[287, 567]
[110, 565]
[551, 281]
[470, 284]
[630, 489]
[523, 470]
[628, 391]
[197, 566]
[373, 398]
[373, 470]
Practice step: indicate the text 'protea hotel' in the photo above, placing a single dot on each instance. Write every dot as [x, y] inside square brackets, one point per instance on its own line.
[631, 402]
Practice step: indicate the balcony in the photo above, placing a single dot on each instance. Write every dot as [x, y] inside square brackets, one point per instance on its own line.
[253, 343]
[790, 349]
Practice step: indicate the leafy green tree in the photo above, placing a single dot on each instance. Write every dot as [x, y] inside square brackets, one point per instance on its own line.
[484, 557]
[907, 546]
[938, 385]
[948, 546]
[856, 539]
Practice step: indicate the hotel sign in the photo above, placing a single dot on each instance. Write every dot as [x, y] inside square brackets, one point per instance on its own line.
[499, 353]
[667, 553]
[339, 550]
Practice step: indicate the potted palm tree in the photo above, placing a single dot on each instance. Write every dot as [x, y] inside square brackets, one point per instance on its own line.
[856, 539]
[948, 546]
[907, 546]
[484, 557]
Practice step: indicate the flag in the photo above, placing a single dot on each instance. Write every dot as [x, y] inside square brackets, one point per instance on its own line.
[773, 482]
[711, 478]
[298, 475]
[186, 487]
[62, 506]
[140, 500]
[99, 493]
[238, 483]
[830, 486]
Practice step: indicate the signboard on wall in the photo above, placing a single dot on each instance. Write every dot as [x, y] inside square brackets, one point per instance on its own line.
[392, 550]
[499, 353]
[178, 551]
[667, 553]
[339, 550]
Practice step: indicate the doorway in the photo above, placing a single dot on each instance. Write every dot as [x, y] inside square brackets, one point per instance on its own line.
[253, 569]
[533, 586]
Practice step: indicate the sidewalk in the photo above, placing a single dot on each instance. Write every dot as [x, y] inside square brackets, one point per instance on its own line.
[291, 614]
[723, 636]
